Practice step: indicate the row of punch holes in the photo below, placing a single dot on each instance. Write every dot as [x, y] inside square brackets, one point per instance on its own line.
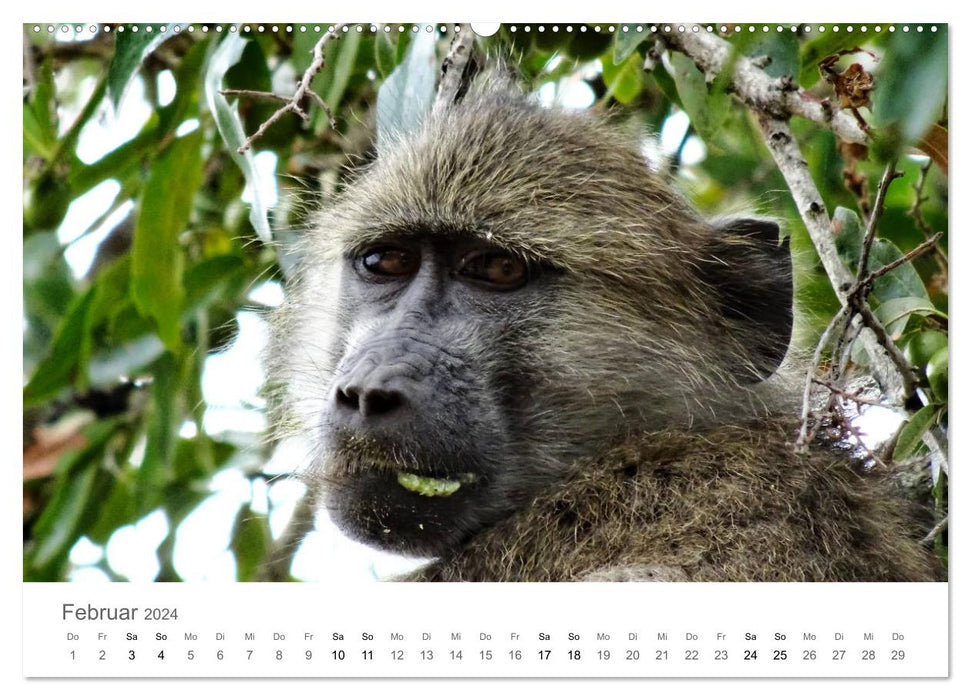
[526, 28]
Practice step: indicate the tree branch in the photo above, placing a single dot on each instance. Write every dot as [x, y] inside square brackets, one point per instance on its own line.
[777, 97]
[276, 566]
[892, 370]
[889, 175]
[292, 104]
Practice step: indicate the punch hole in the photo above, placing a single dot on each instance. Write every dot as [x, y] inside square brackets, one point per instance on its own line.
[485, 28]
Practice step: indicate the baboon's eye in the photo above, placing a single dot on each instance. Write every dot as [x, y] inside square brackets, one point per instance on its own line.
[390, 262]
[495, 269]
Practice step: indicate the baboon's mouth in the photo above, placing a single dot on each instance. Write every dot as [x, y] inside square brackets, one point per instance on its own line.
[410, 473]
[430, 486]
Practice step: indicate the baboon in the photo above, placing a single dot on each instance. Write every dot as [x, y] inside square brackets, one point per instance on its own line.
[517, 350]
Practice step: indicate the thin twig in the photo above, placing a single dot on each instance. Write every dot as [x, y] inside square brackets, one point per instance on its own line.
[916, 212]
[802, 442]
[919, 198]
[889, 175]
[850, 427]
[850, 396]
[259, 94]
[292, 104]
[910, 255]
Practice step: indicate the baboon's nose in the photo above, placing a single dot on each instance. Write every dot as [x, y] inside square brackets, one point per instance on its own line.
[369, 401]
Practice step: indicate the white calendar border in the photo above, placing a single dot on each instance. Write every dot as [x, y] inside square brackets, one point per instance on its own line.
[494, 10]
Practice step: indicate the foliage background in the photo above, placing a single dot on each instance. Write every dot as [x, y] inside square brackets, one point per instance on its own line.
[114, 406]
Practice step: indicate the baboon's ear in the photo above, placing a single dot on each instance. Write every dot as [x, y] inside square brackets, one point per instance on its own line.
[751, 274]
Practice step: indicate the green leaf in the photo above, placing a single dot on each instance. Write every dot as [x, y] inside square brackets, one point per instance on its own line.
[117, 510]
[406, 97]
[337, 73]
[385, 53]
[157, 257]
[894, 313]
[707, 108]
[666, 83]
[936, 371]
[117, 163]
[40, 115]
[48, 202]
[226, 55]
[922, 346]
[404, 41]
[188, 77]
[848, 236]
[80, 486]
[585, 45]
[65, 364]
[250, 542]
[69, 141]
[157, 468]
[911, 84]
[625, 43]
[131, 48]
[902, 281]
[205, 282]
[912, 433]
[625, 81]
[48, 289]
[782, 48]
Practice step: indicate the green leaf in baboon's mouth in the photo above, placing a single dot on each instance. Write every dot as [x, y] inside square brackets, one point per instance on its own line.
[430, 486]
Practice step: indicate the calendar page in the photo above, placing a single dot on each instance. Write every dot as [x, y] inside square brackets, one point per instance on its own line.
[501, 350]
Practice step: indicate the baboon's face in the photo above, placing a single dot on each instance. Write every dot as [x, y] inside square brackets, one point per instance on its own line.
[501, 295]
[422, 422]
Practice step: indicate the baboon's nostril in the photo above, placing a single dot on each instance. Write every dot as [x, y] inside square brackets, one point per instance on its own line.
[348, 398]
[378, 402]
[369, 402]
